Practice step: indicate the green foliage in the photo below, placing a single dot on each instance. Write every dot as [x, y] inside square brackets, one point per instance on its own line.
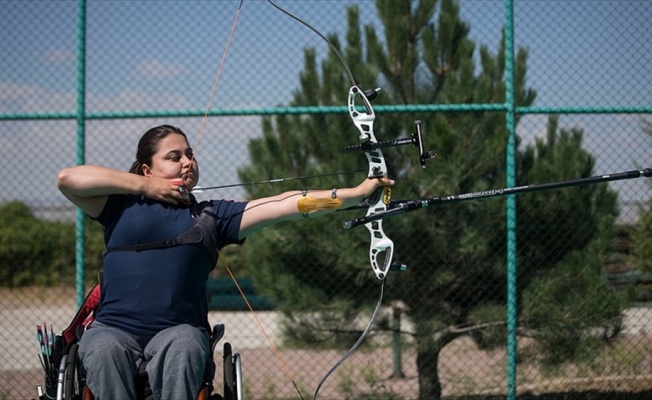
[39, 252]
[642, 239]
[491, 324]
[373, 386]
[93, 250]
[572, 308]
[32, 251]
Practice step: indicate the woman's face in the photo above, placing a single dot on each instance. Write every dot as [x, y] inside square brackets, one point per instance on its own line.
[174, 160]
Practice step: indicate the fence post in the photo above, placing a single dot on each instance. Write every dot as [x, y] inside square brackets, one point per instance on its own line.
[80, 230]
[397, 370]
[511, 200]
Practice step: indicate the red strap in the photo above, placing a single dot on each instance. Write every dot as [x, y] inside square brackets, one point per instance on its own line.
[84, 315]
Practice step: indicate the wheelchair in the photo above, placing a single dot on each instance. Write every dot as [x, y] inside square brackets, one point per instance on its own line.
[67, 382]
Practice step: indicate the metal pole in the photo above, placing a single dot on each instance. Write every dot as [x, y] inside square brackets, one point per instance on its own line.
[512, 307]
[80, 118]
[397, 369]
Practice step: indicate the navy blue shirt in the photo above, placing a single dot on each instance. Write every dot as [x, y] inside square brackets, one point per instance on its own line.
[147, 291]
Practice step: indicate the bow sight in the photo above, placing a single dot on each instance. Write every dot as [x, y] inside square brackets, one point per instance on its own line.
[416, 139]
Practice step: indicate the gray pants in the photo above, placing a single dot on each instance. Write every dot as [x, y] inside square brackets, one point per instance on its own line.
[176, 359]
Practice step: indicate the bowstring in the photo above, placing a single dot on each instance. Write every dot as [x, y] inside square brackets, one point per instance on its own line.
[216, 81]
[357, 343]
[220, 256]
[273, 347]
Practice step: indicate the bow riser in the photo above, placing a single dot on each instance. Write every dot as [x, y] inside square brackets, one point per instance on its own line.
[381, 249]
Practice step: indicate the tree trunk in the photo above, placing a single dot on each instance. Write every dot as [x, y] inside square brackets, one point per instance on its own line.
[427, 364]
[429, 346]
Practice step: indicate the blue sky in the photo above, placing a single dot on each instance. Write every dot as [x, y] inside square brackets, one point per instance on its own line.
[152, 55]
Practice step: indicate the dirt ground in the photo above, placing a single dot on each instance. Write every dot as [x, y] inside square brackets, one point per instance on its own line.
[465, 371]
[264, 379]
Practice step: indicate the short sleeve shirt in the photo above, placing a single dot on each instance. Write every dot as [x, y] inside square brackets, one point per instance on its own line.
[144, 292]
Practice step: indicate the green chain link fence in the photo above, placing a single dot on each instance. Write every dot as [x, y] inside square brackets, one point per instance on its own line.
[565, 309]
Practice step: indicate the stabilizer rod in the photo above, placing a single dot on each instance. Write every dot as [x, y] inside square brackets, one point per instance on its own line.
[402, 206]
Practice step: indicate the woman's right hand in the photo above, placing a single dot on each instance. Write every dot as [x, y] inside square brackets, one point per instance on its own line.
[171, 191]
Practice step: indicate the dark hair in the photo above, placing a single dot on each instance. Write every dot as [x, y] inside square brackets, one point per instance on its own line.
[148, 145]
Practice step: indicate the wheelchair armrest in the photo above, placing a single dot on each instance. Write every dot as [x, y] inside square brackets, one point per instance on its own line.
[217, 335]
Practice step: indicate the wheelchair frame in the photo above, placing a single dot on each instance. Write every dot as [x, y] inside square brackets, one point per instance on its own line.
[70, 383]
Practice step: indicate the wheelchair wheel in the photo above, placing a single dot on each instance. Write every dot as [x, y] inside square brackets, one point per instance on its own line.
[72, 380]
[237, 370]
[229, 376]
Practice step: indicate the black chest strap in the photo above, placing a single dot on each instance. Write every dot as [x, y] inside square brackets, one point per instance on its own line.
[192, 236]
[202, 232]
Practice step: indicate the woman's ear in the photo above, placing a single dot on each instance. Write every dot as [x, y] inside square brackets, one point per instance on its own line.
[146, 170]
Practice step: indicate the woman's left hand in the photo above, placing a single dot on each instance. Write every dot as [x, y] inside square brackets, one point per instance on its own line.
[369, 185]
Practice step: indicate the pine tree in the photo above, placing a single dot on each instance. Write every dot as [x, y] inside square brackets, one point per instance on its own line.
[642, 237]
[455, 284]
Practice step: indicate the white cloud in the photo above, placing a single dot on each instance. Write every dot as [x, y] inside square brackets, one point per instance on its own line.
[14, 91]
[156, 69]
[59, 56]
[129, 100]
[531, 127]
[19, 98]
